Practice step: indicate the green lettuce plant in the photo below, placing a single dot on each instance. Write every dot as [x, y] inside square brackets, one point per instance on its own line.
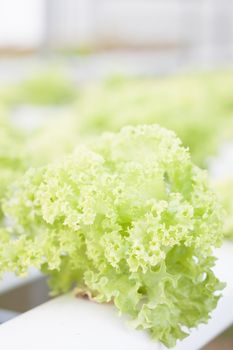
[191, 105]
[197, 107]
[224, 190]
[46, 87]
[12, 158]
[56, 138]
[127, 218]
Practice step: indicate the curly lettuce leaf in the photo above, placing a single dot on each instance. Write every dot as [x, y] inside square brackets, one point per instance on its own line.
[128, 218]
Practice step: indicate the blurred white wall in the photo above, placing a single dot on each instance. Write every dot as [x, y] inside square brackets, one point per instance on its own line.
[69, 23]
[199, 23]
[139, 22]
[21, 23]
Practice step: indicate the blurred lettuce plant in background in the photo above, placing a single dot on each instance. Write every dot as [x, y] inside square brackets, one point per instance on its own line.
[197, 107]
[12, 155]
[194, 106]
[224, 190]
[46, 87]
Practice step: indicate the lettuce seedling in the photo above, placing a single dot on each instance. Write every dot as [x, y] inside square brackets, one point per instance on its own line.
[128, 219]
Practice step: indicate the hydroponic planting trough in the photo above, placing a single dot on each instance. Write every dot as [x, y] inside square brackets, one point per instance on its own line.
[69, 322]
